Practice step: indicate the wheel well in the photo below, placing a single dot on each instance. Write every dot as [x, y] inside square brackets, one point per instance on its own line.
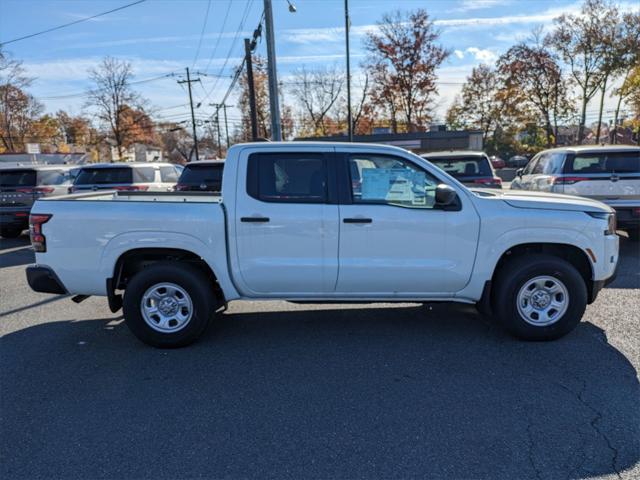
[572, 254]
[133, 261]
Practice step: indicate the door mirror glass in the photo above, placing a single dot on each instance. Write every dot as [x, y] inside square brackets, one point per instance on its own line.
[445, 195]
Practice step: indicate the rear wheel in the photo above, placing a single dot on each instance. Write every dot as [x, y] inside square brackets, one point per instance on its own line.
[11, 232]
[168, 304]
[539, 297]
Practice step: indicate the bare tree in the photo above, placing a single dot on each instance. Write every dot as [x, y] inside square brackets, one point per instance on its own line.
[318, 91]
[113, 98]
[403, 58]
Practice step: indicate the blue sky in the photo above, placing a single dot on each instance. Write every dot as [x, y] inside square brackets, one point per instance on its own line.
[162, 36]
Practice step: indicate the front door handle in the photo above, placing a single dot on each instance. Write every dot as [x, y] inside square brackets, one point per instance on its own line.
[357, 220]
[254, 219]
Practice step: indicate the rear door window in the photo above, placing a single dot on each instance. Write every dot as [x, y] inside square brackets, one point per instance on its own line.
[287, 177]
[104, 176]
[464, 166]
[605, 162]
[17, 178]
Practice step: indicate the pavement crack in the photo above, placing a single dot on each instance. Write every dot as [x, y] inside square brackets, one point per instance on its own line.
[594, 423]
[532, 445]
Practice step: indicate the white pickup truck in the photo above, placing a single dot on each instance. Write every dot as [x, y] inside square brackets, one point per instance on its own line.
[326, 222]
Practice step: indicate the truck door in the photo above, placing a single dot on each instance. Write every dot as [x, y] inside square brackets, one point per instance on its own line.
[286, 224]
[394, 240]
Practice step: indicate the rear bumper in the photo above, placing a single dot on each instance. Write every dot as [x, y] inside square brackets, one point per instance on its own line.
[628, 217]
[44, 279]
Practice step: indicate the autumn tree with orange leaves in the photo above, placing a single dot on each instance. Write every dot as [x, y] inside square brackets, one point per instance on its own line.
[403, 58]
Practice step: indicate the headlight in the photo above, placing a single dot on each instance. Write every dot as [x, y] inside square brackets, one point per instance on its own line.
[610, 219]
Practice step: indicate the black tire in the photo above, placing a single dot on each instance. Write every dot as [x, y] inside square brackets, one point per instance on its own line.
[11, 232]
[634, 234]
[190, 279]
[519, 271]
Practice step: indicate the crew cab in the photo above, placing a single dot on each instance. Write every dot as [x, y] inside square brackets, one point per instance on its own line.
[294, 222]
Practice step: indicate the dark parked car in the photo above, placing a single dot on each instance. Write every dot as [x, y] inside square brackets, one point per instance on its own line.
[202, 176]
[517, 161]
[471, 168]
[497, 162]
[21, 185]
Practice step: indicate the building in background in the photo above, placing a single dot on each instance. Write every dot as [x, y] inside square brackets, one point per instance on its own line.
[435, 140]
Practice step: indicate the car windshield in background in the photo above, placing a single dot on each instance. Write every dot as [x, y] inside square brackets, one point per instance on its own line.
[17, 178]
[460, 167]
[208, 175]
[611, 162]
[100, 176]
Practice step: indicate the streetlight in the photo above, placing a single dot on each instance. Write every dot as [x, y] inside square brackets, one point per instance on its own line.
[292, 7]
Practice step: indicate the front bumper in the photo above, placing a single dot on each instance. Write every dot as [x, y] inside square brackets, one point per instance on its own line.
[44, 279]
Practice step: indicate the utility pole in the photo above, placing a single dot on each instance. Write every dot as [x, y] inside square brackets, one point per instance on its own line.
[347, 25]
[274, 104]
[252, 92]
[218, 131]
[226, 123]
[188, 81]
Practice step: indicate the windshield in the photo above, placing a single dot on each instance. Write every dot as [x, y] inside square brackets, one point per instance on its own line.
[464, 166]
[17, 178]
[605, 162]
[101, 176]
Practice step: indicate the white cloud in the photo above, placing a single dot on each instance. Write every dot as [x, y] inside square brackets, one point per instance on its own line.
[480, 4]
[458, 53]
[482, 54]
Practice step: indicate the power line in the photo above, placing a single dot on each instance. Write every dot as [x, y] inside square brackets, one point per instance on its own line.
[215, 47]
[204, 26]
[82, 94]
[71, 23]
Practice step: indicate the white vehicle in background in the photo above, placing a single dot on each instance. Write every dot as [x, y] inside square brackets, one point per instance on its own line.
[610, 174]
[129, 176]
[326, 222]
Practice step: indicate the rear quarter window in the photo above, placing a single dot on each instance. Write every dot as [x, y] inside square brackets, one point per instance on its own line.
[54, 177]
[169, 174]
[471, 166]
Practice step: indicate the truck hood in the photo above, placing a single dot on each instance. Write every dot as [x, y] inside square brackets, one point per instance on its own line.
[549, 201]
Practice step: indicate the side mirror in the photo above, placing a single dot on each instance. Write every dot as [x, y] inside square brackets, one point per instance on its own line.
[519, 172]
[445, 195]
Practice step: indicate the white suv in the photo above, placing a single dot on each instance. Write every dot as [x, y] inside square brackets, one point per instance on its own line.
[131, 177]
[610, 174]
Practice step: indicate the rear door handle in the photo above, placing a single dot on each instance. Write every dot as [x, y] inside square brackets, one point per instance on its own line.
[357, 220]
[254, 219]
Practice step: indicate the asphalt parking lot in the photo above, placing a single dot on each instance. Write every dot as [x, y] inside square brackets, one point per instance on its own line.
[279, 390]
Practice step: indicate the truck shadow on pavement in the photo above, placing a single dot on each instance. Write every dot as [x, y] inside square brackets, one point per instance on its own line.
[319, 392]
[15, 252]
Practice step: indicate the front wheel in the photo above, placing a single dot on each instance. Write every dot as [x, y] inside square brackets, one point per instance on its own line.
[539, 297]
[168, 304]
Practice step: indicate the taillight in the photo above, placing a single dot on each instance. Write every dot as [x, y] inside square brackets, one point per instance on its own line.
[38, 240]
[132, 188]
[567, 180]
[489, 181]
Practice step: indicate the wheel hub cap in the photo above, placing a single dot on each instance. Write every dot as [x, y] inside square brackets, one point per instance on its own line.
[166, 307]
[543, 300]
